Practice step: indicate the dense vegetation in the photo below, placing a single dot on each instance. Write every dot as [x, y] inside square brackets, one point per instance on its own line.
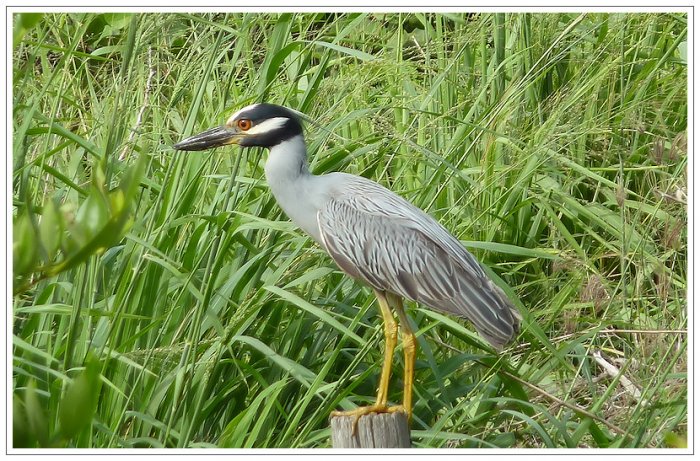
[163, 300]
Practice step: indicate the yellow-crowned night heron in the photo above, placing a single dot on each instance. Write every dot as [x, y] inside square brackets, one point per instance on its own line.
[374, 236]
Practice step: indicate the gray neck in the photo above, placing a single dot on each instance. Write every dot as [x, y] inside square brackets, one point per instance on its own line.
[294, 187]
[287, 161]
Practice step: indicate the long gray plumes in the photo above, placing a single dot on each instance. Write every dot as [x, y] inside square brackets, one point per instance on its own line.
[385, 241]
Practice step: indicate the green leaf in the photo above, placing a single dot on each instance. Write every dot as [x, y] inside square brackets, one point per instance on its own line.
[296, 370]
[92, 215]
[673, 440]
[24, 245]
[28, 20]
[98, 226]
[278, 59]
[50, 229]
[242, 431]
[79, 403]
[24, 22]
[117, 20]
[57, 129]
[514, 250]
[602, 439]
[36, 419]
[516, 390]
[361, 55]
[315, 311]
[21, 435]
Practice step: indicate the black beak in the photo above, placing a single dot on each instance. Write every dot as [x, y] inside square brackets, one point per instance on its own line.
[215, 137]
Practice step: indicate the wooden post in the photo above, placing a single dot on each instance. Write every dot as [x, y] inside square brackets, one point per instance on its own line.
[382, 430]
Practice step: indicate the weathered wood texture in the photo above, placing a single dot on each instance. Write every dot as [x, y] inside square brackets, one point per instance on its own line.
[383, 430]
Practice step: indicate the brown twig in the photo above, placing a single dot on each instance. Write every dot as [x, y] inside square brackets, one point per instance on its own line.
[614, 372]
[570, 406]
[606, 331]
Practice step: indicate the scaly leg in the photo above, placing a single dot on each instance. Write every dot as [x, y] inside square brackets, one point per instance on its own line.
[390, 337]
[409, 353]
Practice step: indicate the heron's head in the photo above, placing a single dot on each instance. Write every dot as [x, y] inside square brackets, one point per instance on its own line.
[263, 125]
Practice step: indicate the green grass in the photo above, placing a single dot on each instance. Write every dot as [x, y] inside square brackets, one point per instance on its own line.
[166, 296]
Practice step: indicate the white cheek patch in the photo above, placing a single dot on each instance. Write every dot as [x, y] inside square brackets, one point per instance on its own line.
[268, 125]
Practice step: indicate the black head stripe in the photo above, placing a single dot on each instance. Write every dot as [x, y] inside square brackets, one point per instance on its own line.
[264, 111]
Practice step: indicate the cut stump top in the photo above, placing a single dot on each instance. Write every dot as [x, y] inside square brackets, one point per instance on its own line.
[376, 430]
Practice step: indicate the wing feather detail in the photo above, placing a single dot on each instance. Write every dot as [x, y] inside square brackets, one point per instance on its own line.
[381, 239]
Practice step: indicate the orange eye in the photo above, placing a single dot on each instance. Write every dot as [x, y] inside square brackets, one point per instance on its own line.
[244, 124]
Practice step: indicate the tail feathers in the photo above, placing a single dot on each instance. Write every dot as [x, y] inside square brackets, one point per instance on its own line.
[494, 316]
[507, 326]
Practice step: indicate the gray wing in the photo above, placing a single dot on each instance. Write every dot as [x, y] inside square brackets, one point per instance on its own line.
[381, 239]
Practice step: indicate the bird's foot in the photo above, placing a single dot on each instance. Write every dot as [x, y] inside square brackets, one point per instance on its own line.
[359, 412]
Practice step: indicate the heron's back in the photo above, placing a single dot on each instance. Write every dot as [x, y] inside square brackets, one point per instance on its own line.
[378, 237]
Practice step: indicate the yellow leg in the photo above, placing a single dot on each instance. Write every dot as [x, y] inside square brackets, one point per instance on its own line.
[409, 354]
[390, 337]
